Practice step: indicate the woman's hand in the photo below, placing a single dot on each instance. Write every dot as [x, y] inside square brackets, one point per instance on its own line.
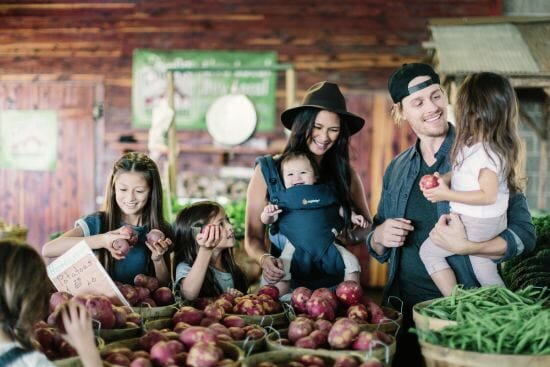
[272, 269]
[159, 248]
[449, 234]
[110, 237]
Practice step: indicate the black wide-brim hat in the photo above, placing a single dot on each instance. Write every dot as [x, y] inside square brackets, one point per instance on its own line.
[325, 96]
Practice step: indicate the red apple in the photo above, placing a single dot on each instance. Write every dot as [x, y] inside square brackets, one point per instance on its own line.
[428, 182]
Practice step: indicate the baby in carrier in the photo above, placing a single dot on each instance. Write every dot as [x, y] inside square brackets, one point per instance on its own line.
[309, 218]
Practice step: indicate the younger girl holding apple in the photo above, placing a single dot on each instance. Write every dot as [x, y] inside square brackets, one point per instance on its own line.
[485, 160]
[24, 302]
[205, 266]
[119, 232]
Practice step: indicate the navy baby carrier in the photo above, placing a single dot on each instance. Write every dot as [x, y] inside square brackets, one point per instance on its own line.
[310, 220]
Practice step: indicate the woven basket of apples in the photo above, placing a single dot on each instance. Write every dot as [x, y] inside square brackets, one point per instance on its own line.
[148, 298]
[344, 320]
[167, 348]
[348, 300]
[289, 358]
[262, 308]
[228, 328]
[111, 322]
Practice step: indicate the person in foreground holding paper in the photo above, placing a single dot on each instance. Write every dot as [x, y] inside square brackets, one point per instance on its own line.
[205, 266]
[24, 302]
[133, 206]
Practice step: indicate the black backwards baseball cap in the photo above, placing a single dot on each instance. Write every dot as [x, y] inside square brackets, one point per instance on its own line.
[398, 84]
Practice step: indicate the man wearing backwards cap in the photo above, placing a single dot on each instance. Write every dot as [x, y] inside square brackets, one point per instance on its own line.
[405, 218]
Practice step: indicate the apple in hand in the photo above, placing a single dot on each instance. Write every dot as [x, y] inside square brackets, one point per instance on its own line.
[428, 182]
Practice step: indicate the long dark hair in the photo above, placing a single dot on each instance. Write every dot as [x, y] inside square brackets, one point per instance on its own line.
[23, 290]
[334, 168]
[487, 109]
[152, 215]
[198, 215]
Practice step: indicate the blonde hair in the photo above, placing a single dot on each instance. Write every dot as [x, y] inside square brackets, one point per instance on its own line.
[23, 290]
[487, 110]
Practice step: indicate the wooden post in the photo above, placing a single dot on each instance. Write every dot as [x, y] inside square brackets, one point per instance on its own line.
[290, 83]
[543, 171]
[172, 138]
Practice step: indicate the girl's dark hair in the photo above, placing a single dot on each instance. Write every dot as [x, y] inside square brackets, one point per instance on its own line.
[289, 156]
[198, 215]
[334, 168]
[24, 294]
[152, 215]
[487, 110]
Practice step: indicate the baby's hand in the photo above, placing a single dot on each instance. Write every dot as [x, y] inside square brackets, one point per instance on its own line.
[270, 213]
[272, 210]
[210, 236]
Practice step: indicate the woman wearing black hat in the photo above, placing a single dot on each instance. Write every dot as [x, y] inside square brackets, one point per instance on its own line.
[321, 126]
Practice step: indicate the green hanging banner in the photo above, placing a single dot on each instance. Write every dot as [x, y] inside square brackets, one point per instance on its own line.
[202, 77]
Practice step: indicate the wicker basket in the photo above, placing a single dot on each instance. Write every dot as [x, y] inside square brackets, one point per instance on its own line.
[282, 357]
[438, 356]
[153, 313]
[248, 346]
[425, 323]
[158, 324]
[75, 361]
[276, 320]
[230, 351]
[391, 326]
[112, 335]
[384, 354]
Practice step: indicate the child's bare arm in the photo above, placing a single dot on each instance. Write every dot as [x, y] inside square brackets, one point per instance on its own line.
[208, 239]
[486, 195]
[78, 324]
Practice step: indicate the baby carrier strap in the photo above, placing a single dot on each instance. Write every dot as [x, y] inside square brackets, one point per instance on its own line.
[12, 355]
[271, 176]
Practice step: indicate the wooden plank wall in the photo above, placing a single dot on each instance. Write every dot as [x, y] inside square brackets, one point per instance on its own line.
[356, 43]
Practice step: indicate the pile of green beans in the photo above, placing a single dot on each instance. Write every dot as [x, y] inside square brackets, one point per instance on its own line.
[493, 320]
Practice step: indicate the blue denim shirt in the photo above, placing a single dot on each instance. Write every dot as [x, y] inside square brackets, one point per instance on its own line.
[397, 184]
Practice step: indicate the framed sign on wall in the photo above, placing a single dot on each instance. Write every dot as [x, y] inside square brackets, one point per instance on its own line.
[195, 90]
[28, 140]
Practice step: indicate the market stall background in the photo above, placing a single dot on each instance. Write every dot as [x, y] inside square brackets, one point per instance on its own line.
[76, 58]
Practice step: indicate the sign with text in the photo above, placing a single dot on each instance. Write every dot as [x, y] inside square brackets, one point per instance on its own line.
[195, 90]
[28, 139]
[78, 272]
